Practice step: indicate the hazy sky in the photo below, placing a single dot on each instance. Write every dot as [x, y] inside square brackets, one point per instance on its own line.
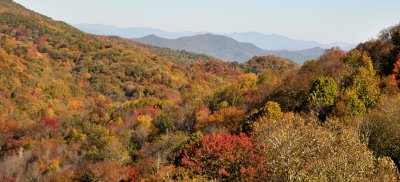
[321, 20]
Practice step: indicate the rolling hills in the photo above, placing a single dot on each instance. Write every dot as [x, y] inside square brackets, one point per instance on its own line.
[214, 45]
[81, 107]
[226, 48]
[273, 42]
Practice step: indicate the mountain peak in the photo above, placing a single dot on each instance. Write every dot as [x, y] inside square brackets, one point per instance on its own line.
[151, 36]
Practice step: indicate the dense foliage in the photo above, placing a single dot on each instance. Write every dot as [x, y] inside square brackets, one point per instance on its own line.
[224, 157]
[79, 107]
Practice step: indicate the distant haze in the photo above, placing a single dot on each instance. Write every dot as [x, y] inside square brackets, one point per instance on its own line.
[272, 42]
[325, 21]
[132, 32]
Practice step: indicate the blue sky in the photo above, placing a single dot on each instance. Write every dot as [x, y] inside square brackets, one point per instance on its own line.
[321, 20]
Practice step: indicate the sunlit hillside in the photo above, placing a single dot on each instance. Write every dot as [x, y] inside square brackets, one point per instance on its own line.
[81, 107]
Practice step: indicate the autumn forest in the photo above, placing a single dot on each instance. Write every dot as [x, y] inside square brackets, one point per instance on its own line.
[81, 107]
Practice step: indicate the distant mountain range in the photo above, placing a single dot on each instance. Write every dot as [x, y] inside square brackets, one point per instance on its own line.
[279, 42]
[218, 46]
[226, 48]
[134, 32]
[229, 47]
[265, 41]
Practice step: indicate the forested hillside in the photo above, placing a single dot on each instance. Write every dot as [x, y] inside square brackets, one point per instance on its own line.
[79, 107]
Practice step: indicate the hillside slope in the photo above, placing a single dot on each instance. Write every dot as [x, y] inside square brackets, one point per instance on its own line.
[68, 98]
[43, 60]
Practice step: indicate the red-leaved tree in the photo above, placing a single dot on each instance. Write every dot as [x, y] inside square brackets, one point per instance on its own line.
[224, 157]
[134, 175]
[50, 122]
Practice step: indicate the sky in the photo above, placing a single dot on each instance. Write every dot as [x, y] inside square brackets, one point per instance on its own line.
[325, 21]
